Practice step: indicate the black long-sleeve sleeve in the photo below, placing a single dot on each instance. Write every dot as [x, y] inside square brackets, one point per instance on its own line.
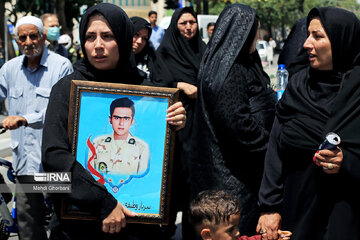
[271, 189]
[86, 194]
[248, 117]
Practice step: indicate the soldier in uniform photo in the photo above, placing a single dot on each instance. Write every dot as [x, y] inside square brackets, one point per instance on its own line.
[120, 152]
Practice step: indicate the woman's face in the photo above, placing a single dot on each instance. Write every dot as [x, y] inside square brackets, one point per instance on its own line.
[187, 25]
[257, 36]
[318, 46]
[100, 44]
[140, 40]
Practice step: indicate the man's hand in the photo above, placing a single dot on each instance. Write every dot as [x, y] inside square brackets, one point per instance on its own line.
[189, 89]
[116, 219]
[13, 122]
[176, 115]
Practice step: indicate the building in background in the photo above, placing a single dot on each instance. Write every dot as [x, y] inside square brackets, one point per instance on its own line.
[140, 8]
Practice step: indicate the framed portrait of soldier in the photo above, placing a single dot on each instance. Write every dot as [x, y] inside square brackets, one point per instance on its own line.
[120, 135]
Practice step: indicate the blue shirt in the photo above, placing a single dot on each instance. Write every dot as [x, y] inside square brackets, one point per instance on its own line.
[157, 36]
[28, 94]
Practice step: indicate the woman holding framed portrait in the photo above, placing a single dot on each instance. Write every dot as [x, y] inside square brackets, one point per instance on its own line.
[106, 40]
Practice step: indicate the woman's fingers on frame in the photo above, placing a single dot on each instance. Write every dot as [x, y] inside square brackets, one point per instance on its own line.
[176, 117]
[176, 112]
[174, 106]
[177, 120]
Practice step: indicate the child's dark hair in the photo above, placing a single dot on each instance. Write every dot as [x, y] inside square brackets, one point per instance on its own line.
[213, 208]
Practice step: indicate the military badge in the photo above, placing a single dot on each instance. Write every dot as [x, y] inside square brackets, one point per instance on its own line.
[119, 167]
[103, 167]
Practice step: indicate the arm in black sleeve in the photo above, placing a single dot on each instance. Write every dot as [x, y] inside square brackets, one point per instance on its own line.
[234, 115]
[271, 189]
[87, 194]
[159, 72]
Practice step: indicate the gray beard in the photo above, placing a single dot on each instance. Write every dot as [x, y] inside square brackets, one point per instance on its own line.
[35, 54]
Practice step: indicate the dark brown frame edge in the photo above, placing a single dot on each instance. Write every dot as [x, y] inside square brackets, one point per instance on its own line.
[77, 86]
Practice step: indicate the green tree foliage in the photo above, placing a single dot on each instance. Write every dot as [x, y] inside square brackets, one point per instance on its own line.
[283, 13]
[350, 5]
[271, 12]
[39, 7]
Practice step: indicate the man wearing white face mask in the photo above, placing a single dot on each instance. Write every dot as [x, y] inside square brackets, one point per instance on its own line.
[52, 33]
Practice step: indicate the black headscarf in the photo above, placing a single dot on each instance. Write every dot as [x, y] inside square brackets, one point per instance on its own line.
[160, 76]
[122, 28]
[182, 56]
[228, 55]
[342, 28]
[233, 115]
[234, 33]
[293, 54]
[138, 24]
[317, 102]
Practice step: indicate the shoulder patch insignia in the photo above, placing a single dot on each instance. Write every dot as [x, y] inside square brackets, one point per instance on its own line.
[131, 141]
[108, 139]
[103, 167]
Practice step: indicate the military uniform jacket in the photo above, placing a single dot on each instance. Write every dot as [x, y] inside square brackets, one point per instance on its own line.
[130, 156]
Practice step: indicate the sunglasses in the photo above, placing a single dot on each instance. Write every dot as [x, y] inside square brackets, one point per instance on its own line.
[32, 36]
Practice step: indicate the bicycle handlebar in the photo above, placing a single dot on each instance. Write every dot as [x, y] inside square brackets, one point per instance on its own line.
[2, 129]
[5, 163]
[19, 124]
[10, 171]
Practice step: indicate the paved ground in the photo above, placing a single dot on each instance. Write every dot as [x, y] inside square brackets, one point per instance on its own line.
[271, 69]
[5, 151]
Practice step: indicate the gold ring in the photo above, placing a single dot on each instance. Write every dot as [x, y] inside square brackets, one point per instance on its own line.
[112, 228]
[330, 166]
[262, 231]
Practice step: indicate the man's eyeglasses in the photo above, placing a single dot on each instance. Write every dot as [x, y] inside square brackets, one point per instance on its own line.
[137, 36]
[32, 36]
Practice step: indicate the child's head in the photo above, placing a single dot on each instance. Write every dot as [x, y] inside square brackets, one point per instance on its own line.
[215, 215]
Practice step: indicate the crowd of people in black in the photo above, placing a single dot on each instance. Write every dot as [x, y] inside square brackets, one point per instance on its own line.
[231, 133]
